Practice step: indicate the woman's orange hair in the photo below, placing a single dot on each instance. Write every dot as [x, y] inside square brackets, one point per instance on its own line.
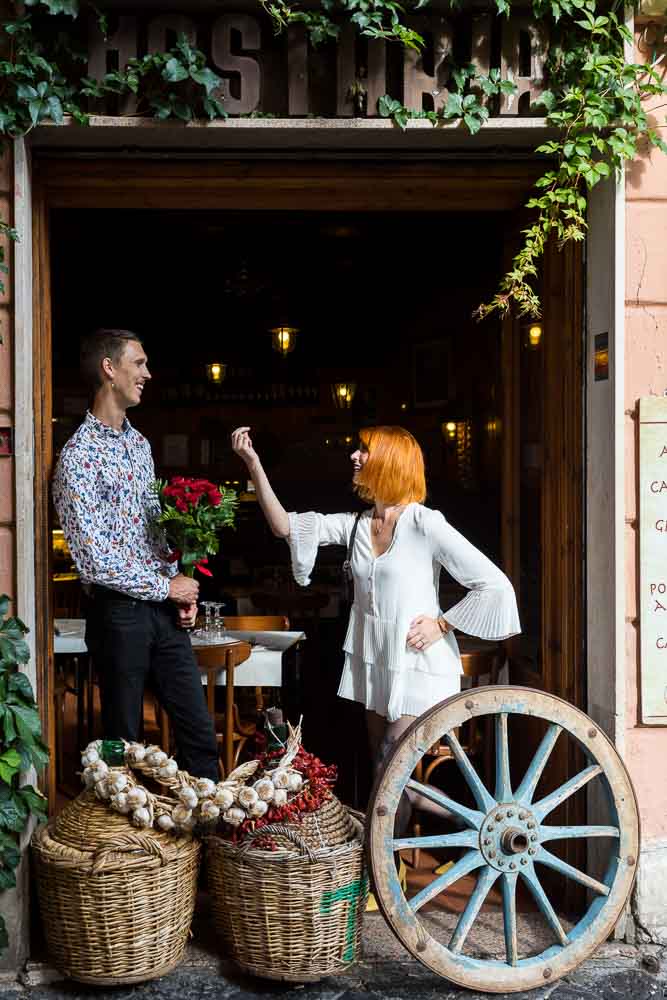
[394, 470]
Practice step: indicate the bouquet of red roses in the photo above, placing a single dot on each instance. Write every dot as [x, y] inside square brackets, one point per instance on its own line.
[192, 512]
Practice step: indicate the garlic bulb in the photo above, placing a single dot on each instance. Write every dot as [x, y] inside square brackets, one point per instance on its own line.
[279, 797]
[168, 770]
[265, 789]
[137, 797]
[89, 757]
[280, 777]
[295, 781]
[188, 796]
[181, 814]
[234, 816]
[120, 804]
[224, 797]
[88, 777]
[102, 789]
[100, 770]
[258, 809]
[247, 796]
[204, 788]
[165, 822]
[136, 752]
[141, 817]
[118, 782]
[209, 810]
[157, 758]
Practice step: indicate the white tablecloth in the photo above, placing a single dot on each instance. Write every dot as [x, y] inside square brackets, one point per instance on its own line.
[263, 668]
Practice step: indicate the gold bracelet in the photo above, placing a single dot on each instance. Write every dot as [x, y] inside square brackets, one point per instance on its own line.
[443, 626]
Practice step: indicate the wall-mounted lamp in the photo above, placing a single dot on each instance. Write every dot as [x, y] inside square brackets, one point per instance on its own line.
[283, 339]
[533, 336]
[449, 430]
[343, 394]
[216, 371]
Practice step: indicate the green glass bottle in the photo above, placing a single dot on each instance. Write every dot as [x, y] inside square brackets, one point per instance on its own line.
[112, 752]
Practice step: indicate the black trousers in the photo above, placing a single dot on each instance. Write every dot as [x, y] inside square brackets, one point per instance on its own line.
[132, 642]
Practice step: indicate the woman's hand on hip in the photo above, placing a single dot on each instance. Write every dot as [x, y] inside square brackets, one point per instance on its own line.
[242, 445]
[423, 632]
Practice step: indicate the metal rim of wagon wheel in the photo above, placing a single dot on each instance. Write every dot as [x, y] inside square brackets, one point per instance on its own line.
[503, 839]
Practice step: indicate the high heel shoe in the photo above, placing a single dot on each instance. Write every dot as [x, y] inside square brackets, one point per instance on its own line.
[371, 905]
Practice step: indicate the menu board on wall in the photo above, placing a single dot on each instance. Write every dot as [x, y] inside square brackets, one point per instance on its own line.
[653, 558]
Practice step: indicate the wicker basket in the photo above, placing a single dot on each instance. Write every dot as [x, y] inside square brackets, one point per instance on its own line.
[116, 903]
[294, 913]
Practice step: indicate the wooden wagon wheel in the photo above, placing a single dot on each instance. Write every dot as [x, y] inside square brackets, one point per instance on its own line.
[502, 840]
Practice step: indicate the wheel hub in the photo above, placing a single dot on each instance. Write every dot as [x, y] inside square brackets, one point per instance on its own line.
[509, 837]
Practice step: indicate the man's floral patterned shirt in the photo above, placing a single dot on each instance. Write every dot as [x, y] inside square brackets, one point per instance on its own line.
[102, 490]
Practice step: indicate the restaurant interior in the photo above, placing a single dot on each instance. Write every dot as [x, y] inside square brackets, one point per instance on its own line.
[305, 327]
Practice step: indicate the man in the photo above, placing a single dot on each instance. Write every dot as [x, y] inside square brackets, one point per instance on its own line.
[139, 602]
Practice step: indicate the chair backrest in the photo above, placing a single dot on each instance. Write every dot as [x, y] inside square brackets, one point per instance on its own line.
[482, 664]
[257, 623]
[217, 657]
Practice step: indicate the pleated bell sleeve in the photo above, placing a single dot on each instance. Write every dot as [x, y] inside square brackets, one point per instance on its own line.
[310, 530]
[489, 610]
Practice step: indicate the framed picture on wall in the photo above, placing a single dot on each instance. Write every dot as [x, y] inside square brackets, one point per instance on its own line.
[432, 373]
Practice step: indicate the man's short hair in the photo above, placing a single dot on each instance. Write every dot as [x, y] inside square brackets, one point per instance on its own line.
[103, 343]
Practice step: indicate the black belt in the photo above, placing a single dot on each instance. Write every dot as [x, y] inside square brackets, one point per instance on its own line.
[98, 593]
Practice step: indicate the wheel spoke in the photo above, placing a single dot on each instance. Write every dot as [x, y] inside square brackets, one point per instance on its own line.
[483, 798]
[485, 880]
[509, 916]
[539, 895]
[551, 861]
[465, 865]
[546, 805]
[526, 789]
[572, 832]
[503, 783]
[462, 838]
[471, 817]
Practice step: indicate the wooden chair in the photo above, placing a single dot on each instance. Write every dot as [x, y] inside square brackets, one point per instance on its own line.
[256, 623]
[213, 659]
[478, 665]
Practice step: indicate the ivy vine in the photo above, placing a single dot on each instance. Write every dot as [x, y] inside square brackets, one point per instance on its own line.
[595, 97]
[21, 748]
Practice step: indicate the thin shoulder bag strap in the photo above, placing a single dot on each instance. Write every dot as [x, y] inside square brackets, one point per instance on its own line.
[350, 544]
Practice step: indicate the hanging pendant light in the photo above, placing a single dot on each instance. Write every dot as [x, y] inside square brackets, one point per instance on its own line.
[216, 372]
[283, 338]
[343, 394]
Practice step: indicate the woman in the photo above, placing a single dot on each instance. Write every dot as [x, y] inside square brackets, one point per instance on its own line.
[401, 657]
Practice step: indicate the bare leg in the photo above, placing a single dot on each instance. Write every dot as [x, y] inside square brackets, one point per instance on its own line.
[382, 737]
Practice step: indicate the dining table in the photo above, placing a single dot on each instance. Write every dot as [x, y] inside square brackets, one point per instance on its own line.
[266, 666]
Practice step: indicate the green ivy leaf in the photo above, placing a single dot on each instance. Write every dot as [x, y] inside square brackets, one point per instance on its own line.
[175, 71]
[34, 800]
[7, 879]
[20, 684]
[207, 78]
[13, 811]
[27, 723]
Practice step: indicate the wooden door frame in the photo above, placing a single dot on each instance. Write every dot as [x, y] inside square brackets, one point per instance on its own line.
[374, 185]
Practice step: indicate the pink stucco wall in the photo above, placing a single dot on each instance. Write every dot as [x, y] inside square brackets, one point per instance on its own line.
[645, 374]
[6, 392]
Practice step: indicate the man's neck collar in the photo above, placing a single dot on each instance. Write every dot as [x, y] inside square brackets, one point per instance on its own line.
[99, 420]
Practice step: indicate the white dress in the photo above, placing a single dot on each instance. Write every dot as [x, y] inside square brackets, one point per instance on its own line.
[381, 671]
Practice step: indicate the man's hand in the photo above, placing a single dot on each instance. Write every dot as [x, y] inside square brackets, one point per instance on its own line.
[187, 615]
[424, 631]
[183, 590]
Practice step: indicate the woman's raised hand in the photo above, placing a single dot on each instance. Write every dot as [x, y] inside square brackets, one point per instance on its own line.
[242, 445]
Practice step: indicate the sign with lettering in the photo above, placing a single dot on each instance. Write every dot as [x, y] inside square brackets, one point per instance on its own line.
[285, 76]
[653, 558]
